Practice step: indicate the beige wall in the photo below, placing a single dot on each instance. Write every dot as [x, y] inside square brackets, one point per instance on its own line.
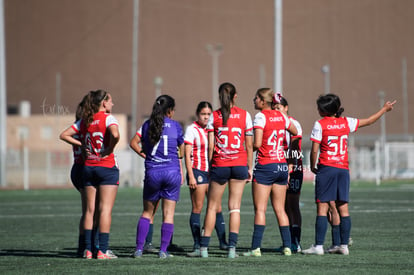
[42, 132]
[89, 43]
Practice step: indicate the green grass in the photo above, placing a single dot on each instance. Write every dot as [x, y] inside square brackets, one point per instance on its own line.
[38, 234]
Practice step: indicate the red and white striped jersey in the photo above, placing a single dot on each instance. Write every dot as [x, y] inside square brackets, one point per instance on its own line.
[274, 125]
[229, 149]
[196, 136]
[332, 135]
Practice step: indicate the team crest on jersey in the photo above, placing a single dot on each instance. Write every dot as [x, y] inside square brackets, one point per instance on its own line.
[199, 179]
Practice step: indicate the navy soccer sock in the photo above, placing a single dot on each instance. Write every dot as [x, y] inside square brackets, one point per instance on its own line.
[257, 236]
[233, 238]
[220, 228]
[345, 229]
[204, 241]
[285, 234]
[103, 241]
[321, 226]
[336, 235]
[195, 228]
[88, 239]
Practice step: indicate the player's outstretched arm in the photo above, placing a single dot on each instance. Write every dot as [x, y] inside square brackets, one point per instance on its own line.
[388, 106]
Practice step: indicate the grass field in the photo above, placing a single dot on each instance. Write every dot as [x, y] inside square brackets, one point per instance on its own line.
[38, 234]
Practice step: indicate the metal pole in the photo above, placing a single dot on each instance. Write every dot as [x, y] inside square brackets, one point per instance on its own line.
[326, 70]
[405, 96]
[215, 51]
[158, 81]
[58, 89]
[262, 75]
[134, 85]
[383, 138]
[278, 46]
[3, 100]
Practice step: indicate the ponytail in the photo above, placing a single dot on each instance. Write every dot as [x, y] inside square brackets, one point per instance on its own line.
[163, 104]
[227, 92]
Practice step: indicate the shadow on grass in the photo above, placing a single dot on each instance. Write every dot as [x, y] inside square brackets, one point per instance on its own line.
[120, 251]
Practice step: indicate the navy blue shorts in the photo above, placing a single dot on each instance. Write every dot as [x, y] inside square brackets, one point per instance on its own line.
[162, 184]
[272, 173]
[332, 184]
[295, 182]
[200, 176]
[98, 175]
[222, 175]
[76, 176]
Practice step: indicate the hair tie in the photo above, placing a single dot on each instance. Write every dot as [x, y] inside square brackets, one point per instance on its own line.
[277, 98]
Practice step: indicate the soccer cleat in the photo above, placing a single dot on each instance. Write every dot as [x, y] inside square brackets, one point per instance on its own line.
[314, 250]
[111, 254]
[108, 255]
[279, 249]
[224, 246]
[175, 248]
[296, 248]
[195, 253]
[253, 253]
[287, 251]
[164, 255]
[350, 241]
[344, 249]
[232, 253]
[334, 249]
[87, 254]
[149, 248]
[204, 252]
[137, 253]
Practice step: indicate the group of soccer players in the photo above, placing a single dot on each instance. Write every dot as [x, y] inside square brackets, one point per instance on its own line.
[218, 150]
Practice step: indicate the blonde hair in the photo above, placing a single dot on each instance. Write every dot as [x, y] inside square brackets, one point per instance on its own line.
[266, 94]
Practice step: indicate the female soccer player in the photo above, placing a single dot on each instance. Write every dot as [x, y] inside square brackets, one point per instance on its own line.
[294, 153]
[230, 151]
[76, 173]
[99, 136]
[270, 176]
[196, 161]
[157, 141]
[330, 139]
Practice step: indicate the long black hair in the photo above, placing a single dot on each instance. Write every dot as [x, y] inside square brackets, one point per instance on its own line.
[329, 105]
[162, 105]
[227, 91]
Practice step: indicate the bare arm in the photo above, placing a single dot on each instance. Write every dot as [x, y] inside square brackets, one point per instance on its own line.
[67, 136]
[249, 150]
[258, 137]
[135, 145]
[314, 156]
[388, 106]
[113, 141]
[210, 145]
[189, 165]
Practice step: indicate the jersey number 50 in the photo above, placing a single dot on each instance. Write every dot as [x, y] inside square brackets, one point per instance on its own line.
[338, 145]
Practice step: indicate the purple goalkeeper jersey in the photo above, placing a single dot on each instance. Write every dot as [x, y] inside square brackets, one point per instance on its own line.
[165, 153]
